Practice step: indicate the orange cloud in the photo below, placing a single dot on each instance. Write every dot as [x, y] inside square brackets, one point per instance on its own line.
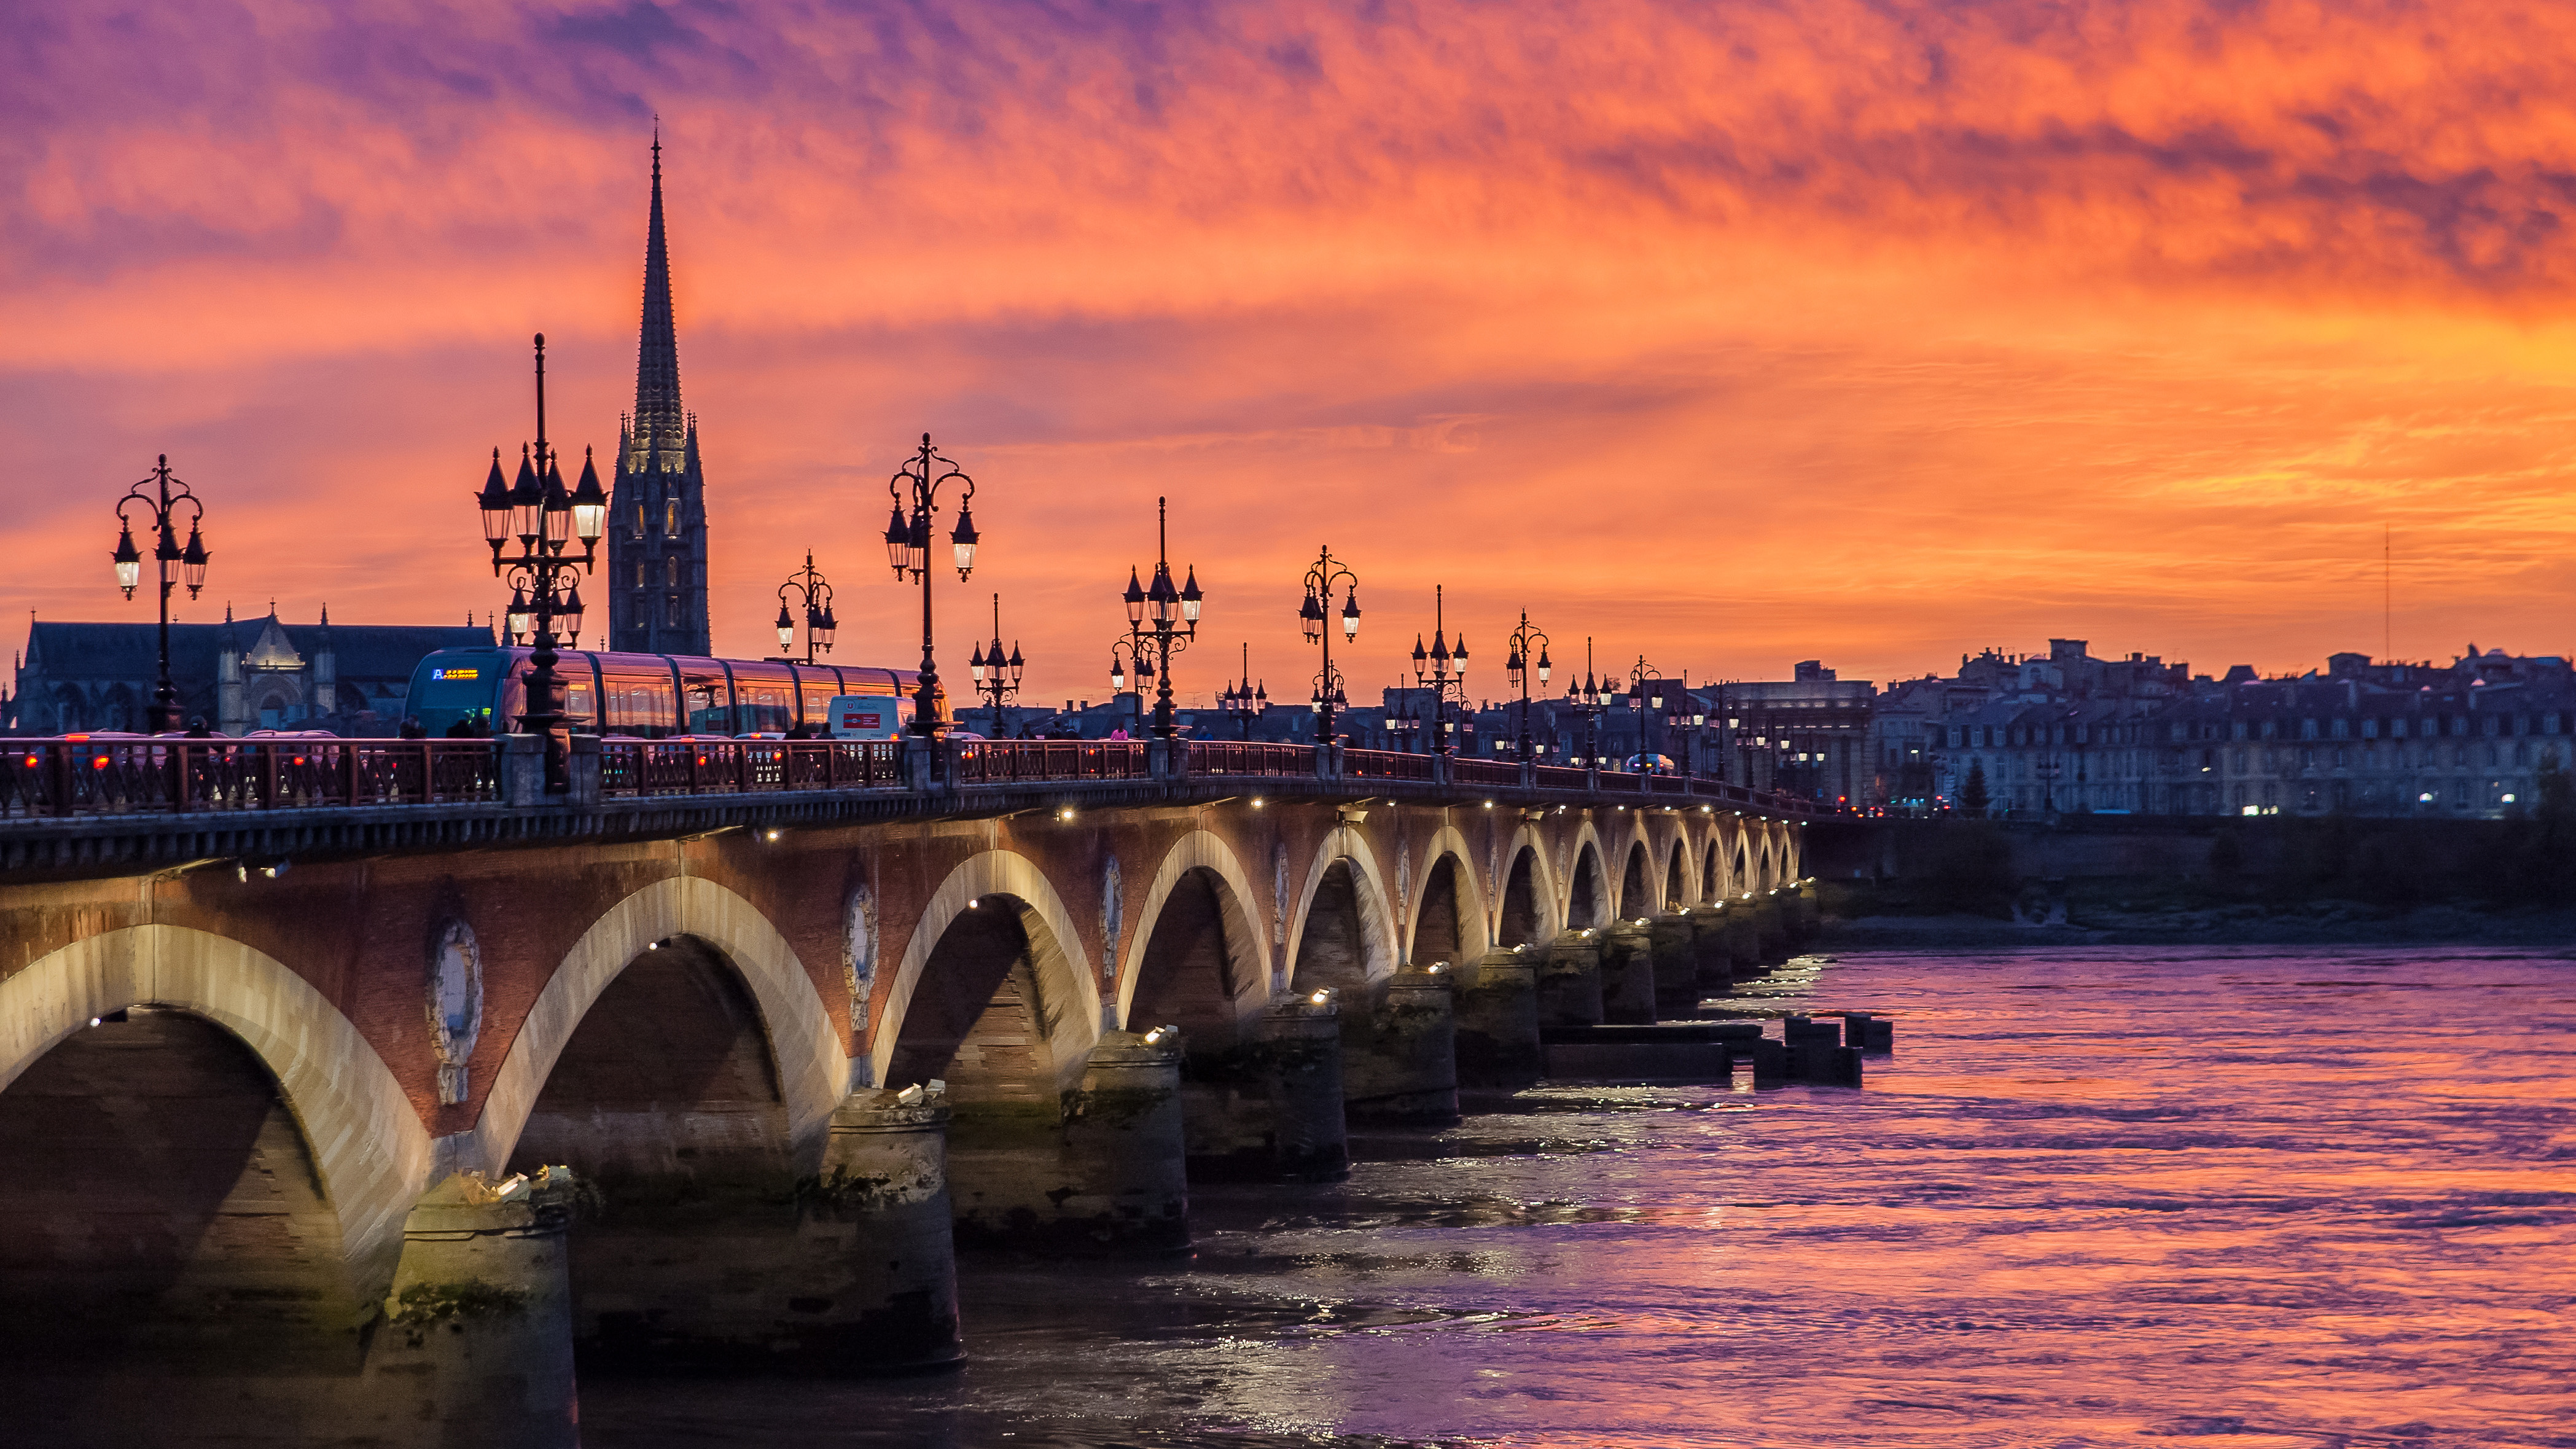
[1727, 334]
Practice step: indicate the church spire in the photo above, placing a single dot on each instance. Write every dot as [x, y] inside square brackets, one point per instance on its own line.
[659, 423]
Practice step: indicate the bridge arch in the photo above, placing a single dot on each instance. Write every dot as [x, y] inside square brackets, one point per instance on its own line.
[1532, 909]
[1059, 968]
[1677, 874]
[1344, 867]
[1637, 879]
[1200, 916]
[366, 1143]
[1712, 888]
[812, 1070]
[1587, 894]
[1450, 902]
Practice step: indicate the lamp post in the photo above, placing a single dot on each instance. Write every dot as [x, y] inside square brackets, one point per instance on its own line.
[1162, 619]
[915, 489]
[995, 675]
[814, 592]
[544, 586]
[1646, 702]
[1325, 572]
[1589, 697]
[1241, 700]
[1447, 671]
[1520, 665]
[1686, 716]
[161, 497]
[1128, 659]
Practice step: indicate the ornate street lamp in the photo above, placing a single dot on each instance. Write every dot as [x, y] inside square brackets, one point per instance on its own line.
[814, 599]
[1447, 671]
[1528, 658]
[1161, 622]
[995, 675]
[1686, 716]
[1316, 617]
[544, 517]
[161, 505]
[1646, 702]
[1589, 696]
[1130, 659]
[1240, 701]
[915, 489]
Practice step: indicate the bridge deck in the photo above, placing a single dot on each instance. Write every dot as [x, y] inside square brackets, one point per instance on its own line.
[94, 805]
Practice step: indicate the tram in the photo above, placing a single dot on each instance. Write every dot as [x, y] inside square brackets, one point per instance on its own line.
[651, 696]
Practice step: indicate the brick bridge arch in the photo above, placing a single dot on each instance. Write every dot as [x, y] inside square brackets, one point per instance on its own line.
[1448, 846]
[1059, 965]
[1589, 902]
[804, 1048]
[1348, 849]
[362, 1132]
[1545, 901]
[1246, 947]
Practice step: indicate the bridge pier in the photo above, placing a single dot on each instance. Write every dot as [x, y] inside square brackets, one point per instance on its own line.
[1270, 1109]
[1810, 911]
[1569, 981]
[1109, 1178]
[1400, 1057]
[1302, 1068]
[1627, 973]
[1498, 1041]
[1743, 939]
[1770, 928]
[878, 1287]
[1709, 949]
[475, 1346]
[1675, 953]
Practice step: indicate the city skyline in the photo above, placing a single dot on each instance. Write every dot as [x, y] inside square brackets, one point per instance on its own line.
[2081, 330]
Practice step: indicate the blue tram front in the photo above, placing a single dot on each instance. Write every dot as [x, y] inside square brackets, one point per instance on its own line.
[646, 695]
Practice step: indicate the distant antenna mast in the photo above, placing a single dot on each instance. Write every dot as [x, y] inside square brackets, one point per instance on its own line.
[2387, 593]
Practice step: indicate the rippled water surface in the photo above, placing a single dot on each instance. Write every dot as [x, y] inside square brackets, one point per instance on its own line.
[2102, 1196]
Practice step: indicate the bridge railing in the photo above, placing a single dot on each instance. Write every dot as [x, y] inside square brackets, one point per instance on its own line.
[91, 776]
[631, 768]
[1465, 771]
[1008, 762]
[1386, 765]
[1236, 757]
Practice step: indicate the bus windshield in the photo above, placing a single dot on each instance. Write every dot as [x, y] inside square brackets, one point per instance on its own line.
[457, 684]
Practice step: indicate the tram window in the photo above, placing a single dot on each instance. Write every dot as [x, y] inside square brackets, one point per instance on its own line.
[577, 711]
[639, 702]
[762, 708]
[820, 689]
[707, 701]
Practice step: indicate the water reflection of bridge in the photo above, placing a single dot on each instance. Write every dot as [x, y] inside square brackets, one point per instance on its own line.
[266, 1003]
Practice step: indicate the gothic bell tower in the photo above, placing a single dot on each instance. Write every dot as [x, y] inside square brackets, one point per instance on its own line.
[657, 528]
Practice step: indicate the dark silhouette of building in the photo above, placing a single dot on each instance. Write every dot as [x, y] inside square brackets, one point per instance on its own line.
[237, 676]
[657, 531]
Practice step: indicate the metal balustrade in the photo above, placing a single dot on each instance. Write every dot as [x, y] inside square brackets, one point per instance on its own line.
[1234, 757]
[88, 775]
[91, 776]
[1008, 762]
[1485, 772]
[1387, 765]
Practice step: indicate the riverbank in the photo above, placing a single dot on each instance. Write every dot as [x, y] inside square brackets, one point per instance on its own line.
[2318, 923]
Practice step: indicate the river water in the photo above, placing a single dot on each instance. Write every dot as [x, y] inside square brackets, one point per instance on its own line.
[2122, 1195]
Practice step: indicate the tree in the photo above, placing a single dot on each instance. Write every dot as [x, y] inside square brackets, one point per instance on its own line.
[1972, 796]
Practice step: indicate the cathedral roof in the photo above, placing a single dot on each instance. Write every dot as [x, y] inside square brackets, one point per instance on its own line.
[659, 421]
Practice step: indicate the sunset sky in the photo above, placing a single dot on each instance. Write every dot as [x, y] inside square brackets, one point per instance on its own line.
[1734, 334]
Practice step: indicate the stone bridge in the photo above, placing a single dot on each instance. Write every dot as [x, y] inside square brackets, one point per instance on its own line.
[764, 1040]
